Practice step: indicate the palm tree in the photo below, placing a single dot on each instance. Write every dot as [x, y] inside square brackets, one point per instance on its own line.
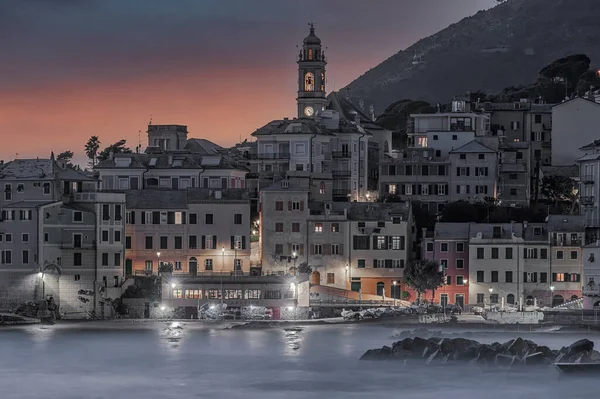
[91, 149]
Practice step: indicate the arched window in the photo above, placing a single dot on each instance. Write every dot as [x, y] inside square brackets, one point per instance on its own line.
[574, 297]
[309, 82]
[323, 81]
[193, 266]
[557, 300]
[310, 54]
[322, 188]
[380, 288]
[510, 299]
[529, 301]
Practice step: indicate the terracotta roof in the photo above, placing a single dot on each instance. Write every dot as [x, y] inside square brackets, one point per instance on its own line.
[472, 147]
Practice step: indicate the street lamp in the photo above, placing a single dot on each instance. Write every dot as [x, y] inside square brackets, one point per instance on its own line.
[158, 256]
[294, 256]
[222, 266]
[395, 292]
[552, 295]
[491, 290]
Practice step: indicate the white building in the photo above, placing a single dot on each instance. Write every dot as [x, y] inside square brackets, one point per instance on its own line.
[574, 124]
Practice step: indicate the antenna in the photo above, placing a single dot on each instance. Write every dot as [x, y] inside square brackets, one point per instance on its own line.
[139, 139]
[150, 122]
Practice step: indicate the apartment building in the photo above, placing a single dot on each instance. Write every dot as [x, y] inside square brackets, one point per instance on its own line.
[474, 171]
[589, 189]
[574, 125]
[591, 282]
[514, 180]
[361, 247]
[60, 238]
[198, 231]
[449, 246]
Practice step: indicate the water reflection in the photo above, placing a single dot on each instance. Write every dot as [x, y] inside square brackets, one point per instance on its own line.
[172, 335]
[293, 338]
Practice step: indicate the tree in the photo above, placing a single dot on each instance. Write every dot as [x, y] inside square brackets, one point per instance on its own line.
[66, 157]
[422, 276]
[569, 69]
[304, 268]
[91, 149]
[116, 148]
[559, 189]
[590, 79]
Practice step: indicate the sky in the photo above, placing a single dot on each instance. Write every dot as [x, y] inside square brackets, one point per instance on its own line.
[70, 69]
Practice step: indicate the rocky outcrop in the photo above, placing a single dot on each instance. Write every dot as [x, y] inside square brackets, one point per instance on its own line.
[517, 351]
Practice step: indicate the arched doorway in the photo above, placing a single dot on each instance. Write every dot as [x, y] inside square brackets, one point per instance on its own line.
[315, 278]
[529, 301]
[380, 288]
[574, 297]
[510, 299]
[557, 300]
[597, 304]
[193, 266]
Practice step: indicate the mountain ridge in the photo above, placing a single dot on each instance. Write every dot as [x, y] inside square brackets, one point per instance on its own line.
[504, 46]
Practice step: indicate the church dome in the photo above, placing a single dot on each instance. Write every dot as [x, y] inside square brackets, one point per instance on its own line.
[312, 38]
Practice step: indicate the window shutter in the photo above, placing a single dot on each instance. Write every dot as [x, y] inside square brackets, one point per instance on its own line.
[535, 277]
[203, 242]
[386, 188]
[214, 242]
[567, 277]
[543, 136]
[468, 170]
[312, 249]
[457, 171]
[243, 242]
[289, 249]
[143, 217]
[374, 262]
[183, 216]
[524, 253]
[374, 242]
[447, 192]
[301, 205]
[435, 189]
[414, 189]
[534, 253]
[132, 217]
[301, 249]
[532, 136]
[476, 171]
[402, 243]
[525, 277]
[341, 246]
[326, 249]
[232, 242]
[418, 189]
[403, 191]
[485, 170]
[289, 205]
[553, 276]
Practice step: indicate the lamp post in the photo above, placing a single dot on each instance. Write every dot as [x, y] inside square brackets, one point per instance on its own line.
[222, 266]
[491, 290]
[294, 256]
[158, 257]
[395, 292]
[173, 285]
[551, 294]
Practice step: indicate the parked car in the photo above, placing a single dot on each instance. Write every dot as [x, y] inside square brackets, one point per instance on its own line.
[453, 309]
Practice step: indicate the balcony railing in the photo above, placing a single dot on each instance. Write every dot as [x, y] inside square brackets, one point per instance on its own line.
[593, 290]
[340, 154]
[587, 179]
[341, 173]
[589, 200]
[566, 243]
[340, 192]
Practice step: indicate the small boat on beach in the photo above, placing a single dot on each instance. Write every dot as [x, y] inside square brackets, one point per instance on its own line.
[578, 368]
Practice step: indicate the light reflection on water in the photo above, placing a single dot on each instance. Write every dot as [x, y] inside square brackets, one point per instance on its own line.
[165, 360]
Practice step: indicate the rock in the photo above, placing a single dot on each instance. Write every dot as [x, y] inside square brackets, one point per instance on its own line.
[505, 360]
[433, 356]
[593, 356]
[377, 354]
[534, 358]
[583, 345]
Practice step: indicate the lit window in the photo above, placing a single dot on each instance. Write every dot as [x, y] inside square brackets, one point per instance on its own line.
[318, 227]
[322, 188]
[178, 217]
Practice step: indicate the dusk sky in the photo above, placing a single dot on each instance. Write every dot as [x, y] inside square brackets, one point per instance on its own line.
[74, 68]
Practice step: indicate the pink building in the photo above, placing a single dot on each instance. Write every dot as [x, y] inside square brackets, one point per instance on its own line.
[449, 246]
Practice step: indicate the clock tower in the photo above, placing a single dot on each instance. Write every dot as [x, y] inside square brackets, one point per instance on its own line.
[311, 77]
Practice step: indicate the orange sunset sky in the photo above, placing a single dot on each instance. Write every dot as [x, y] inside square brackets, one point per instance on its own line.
[73, 69]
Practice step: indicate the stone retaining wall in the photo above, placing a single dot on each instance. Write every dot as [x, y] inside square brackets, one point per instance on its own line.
[515, 318]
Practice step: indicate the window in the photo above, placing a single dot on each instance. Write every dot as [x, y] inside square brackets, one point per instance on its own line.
[512, 176]
[335, 227]
[237, 218]
[515, 125]
[208, 219]
[46, 237]
[208, 264]
[295, 205]
[361, 263]
[148, 266]
[479, 253]
[77, 216]
[296, 248]
[279, 227]
[573, 254]
[482, 156]
[45, 188]
[318, 227]
[444, 247]
[537, 118]
[178, 217]
[479, 298]
[460, 263]
[178, 242]
[279, 205]
[237, 264]
[322, 188]
[463, 156]
[396, 242]
[193, 218]
[480, 276]
[543, 277]
[77, 277]
[127, 242]
[318, 249]
[8, 237]
[530, 253]
[164, 242]
[508, 276]
[24, 237]
[148, 242]
[278, 249]
[25, 256]
[444, 263]
[559, 255]
[454, 137]
[543, 253]
[519, 155]
[494, 276]
[495, 253]
[360, 243]
[105, 212]
[295, 227]
[7, 192]
[380, 242]
[513, 191]
[8, 215]
[429, 247]
[460, 247]
[129, 217]
[330, 278]
[118, 213]
[104, 235]
[494, 298]
[105, 259]
[117, 259]
[448, 281]
[335, 249]
[25, 214]
[460, 280]
[508, 253]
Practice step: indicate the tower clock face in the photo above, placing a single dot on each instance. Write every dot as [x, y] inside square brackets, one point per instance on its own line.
[309, 111]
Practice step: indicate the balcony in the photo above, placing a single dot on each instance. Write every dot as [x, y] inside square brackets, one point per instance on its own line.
[340, 154]
[587, 179]
[566, 243]
[587, 200]
[340, 192]
[341, 173]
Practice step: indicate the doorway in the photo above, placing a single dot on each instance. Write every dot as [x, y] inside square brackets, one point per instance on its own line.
[460, 300]
[380, 288]
[146, 310]
[316, 278]
[193, 266]
[444, 300]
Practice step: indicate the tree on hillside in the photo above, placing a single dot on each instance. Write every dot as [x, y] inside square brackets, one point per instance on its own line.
[91, 150]
[116, 148]
[589, 80]
[568, 69]
[396, 117]
[422, 276]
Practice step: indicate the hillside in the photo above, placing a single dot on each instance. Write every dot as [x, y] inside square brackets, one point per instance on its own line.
[504, 46]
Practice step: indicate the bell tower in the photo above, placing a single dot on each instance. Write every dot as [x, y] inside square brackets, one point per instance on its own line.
[311, 76]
